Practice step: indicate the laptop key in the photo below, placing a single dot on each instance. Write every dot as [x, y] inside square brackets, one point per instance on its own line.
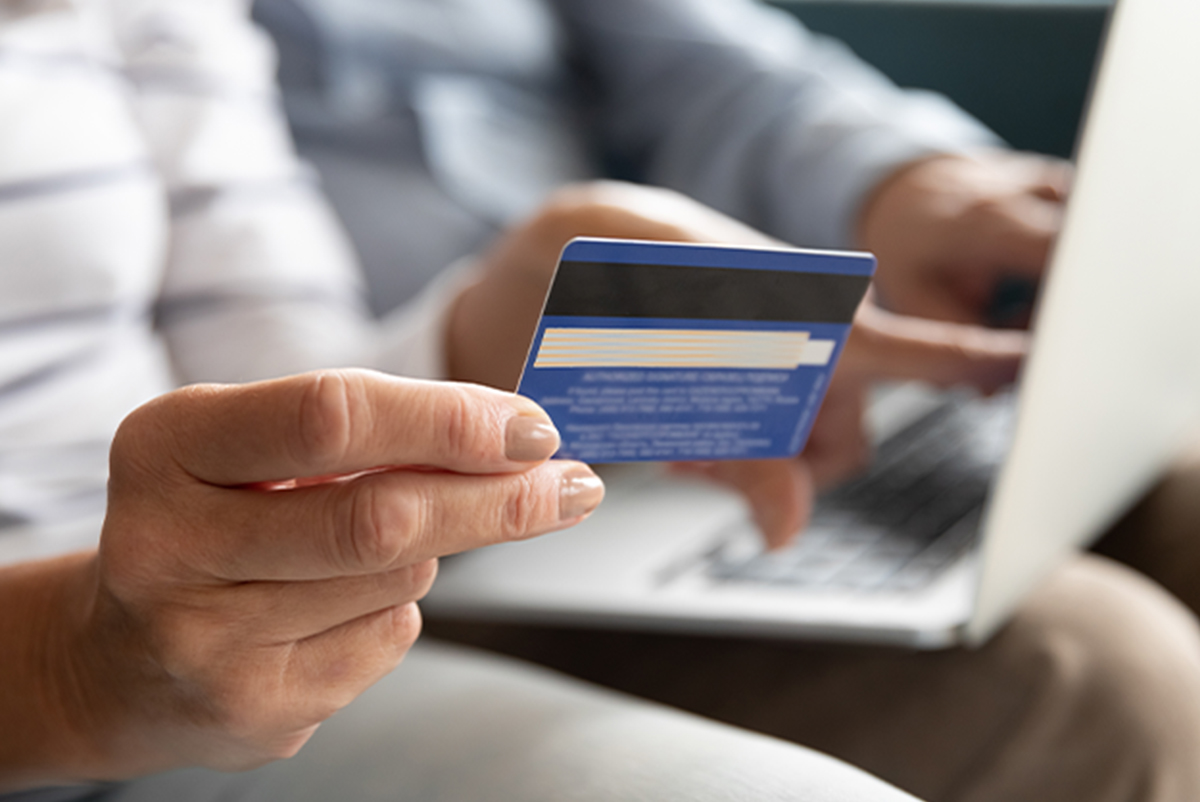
[900, 525]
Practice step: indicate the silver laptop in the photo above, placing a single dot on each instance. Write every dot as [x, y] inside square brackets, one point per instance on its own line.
[971, 501]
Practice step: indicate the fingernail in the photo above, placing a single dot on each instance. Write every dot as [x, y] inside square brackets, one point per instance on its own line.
[529, 439]
[581, 492]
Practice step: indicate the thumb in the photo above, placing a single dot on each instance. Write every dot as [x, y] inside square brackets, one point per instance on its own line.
[883, 345]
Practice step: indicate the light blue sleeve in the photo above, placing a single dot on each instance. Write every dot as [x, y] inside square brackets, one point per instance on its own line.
[739, 106]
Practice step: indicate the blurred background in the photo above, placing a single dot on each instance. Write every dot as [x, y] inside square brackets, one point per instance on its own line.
[1023, 67]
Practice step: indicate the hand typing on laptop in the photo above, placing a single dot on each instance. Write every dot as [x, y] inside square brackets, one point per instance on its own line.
[882, 346]
[950, 231]
[493, 321]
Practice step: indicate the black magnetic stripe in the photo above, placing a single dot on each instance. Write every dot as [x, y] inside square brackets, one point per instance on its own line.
[704, 293]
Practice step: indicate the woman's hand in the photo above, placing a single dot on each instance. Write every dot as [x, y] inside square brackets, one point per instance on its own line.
[950, 231]
[881, 346]
[261, 558]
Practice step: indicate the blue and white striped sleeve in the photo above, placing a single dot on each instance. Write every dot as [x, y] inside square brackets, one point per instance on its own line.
[739, 106]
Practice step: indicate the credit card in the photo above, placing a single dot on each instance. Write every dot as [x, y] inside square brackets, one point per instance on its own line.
[654, 351]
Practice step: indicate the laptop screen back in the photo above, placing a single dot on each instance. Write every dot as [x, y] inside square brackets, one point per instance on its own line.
[1112, 388]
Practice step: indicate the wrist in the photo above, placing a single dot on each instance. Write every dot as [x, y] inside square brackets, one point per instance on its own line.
[887, 200]
[46, 678]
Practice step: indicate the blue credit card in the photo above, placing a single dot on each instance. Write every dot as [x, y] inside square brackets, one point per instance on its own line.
[677, 352]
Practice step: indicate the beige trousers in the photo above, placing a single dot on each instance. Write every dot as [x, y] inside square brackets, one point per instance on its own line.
[1161, 535]
[454, 725]
[1091, 692]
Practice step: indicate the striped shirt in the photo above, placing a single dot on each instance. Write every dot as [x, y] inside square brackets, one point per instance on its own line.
[156, 228]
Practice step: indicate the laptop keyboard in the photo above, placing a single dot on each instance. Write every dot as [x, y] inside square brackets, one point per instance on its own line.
[896, 527]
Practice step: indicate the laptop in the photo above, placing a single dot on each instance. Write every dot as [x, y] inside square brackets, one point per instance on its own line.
[971, 502]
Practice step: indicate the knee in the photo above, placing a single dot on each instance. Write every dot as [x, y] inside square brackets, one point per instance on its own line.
[1111, 668]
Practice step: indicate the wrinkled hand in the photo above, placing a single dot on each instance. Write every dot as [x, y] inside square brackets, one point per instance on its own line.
[881, 346]
[948, 231]
[265, 545]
